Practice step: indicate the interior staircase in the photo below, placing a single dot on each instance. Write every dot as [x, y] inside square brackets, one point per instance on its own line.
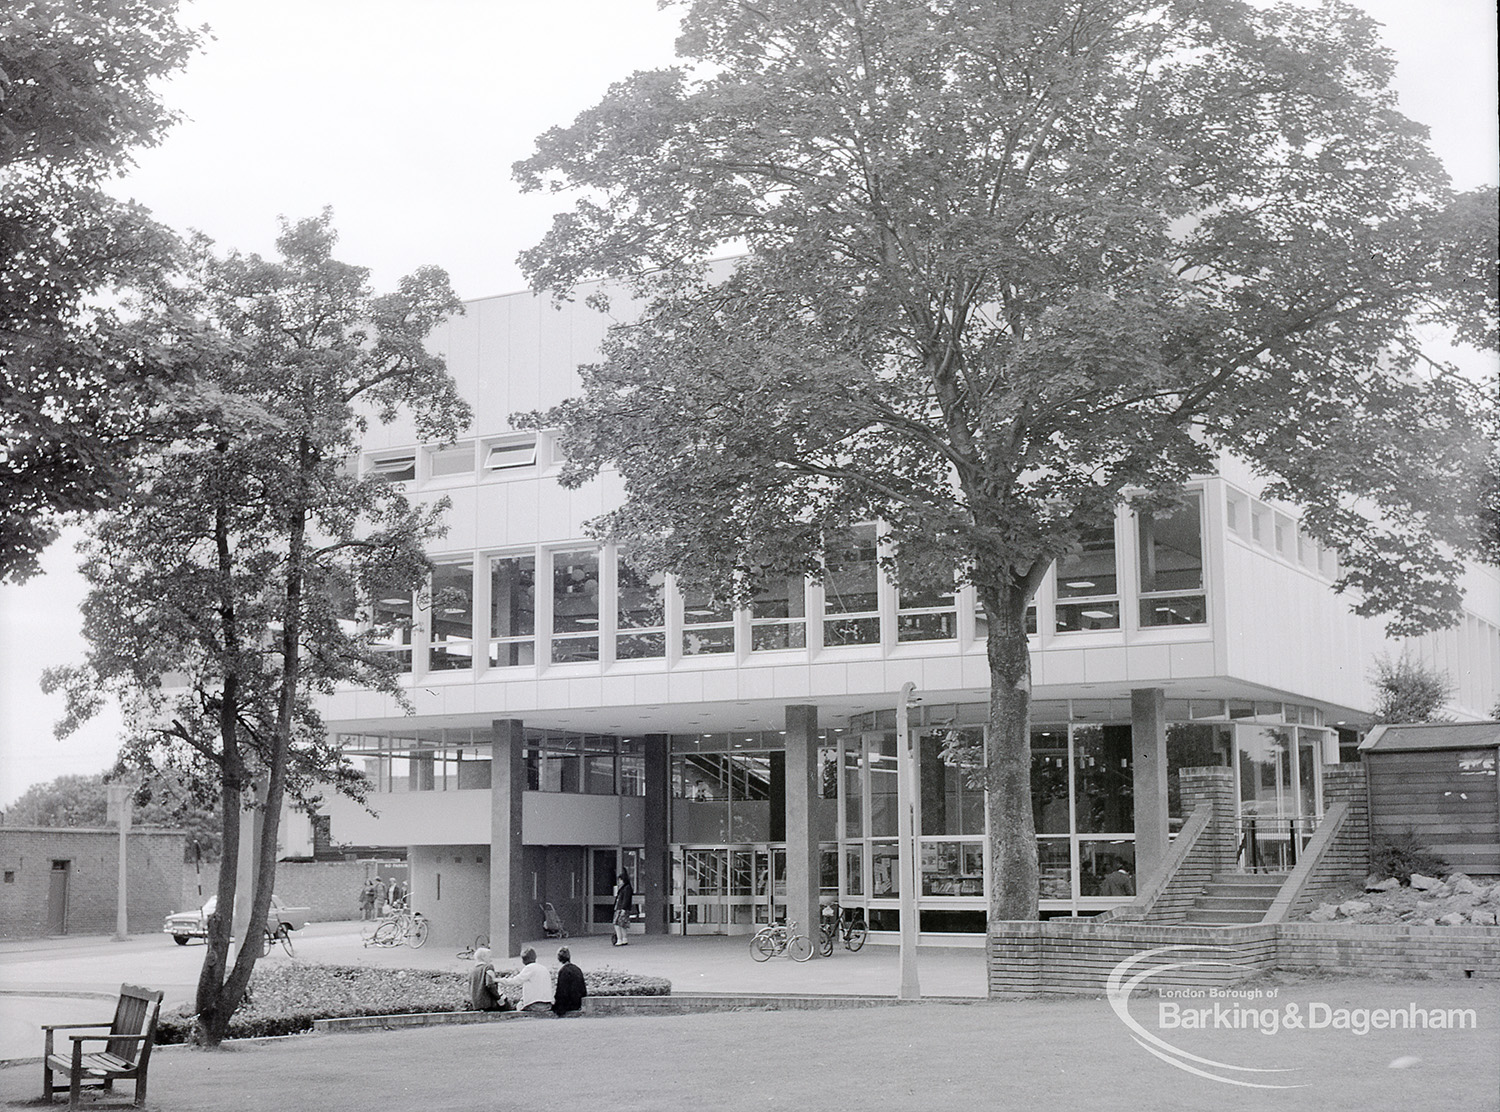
[1233, 899]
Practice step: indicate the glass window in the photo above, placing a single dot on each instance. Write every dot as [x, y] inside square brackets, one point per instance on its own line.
[885, 870]
[778, 615]
[926, 615]
[1104, 779]
[553, 762]
[452, 617]
[1192, 745]
[1106, 868]
[640, 612]
[1171, 563]
[575, 606]
[512, 611]
[1087, 584]
[512, 452]
[853, 793]
[632, 766]
[949, 804]
[1049, 779]
[952, 869]
[1055, 866]
[851, 591]
[707, 624]
[391, 617]
[394, 469]
[455, 460]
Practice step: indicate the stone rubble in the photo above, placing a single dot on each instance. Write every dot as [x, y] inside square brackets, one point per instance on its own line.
[1453, 901]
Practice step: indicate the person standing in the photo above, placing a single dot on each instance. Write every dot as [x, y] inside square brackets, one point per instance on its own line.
[570, 985]
[367, 900]
[624, 905]
[380, 891]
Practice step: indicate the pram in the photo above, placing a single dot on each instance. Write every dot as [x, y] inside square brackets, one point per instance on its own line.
[552, 925]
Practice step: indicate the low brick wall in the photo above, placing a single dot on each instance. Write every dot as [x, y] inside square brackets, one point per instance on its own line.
[1077, 955]
[81, 898]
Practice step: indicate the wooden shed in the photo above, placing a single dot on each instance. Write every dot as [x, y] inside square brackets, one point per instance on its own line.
[1438, 780]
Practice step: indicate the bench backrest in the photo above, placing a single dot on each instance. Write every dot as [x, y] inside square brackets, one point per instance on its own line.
[135, 1014]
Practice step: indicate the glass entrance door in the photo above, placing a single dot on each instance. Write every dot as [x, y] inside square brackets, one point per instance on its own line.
[727, 889]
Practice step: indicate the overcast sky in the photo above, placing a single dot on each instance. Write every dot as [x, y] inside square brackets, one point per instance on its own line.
[405, 118]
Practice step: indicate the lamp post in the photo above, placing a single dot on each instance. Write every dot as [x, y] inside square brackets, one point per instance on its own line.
[906, 830]
[120, 798]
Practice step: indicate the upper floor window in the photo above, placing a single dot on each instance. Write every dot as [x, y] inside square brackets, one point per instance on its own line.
[456, 459]
[1171, 565]
[778, 615]
[575, 606]
[512, 611]
[928, 614]
[640, 612]
[397, 468]
[391, 615]
[452, 643]
[707, 624]
[1088, 593]
[851, 590]
[510, 452]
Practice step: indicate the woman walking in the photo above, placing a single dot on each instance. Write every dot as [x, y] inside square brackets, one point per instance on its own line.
[624, 904]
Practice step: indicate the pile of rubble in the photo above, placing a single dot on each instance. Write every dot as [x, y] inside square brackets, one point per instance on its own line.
[1454, 901]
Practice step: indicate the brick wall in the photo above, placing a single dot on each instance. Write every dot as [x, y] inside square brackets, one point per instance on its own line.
[1214, 851]
[153, 882]
[328, 889]
[1078, 955]
[1346, 860]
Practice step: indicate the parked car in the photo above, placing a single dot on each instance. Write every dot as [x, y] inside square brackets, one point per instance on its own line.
[184, 925]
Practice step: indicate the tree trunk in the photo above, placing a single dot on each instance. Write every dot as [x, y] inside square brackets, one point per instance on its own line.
[1012, 825]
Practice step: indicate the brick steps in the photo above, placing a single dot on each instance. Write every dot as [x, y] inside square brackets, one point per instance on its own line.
[1231, 899]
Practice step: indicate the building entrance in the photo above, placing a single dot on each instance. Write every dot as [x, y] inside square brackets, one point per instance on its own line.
[727, 889]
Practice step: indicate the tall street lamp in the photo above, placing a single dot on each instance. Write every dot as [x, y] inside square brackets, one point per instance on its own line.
[906, 831]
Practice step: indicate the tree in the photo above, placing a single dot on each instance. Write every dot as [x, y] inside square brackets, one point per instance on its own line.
[1407, 690]
[235, 563]
[79, 83]
[83, 800]
[1007, 266]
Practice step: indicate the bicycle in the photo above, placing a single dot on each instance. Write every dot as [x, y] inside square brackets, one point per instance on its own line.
[481, 941]
[834, 923]
[780, 938]
[400, 926]
[270, 937]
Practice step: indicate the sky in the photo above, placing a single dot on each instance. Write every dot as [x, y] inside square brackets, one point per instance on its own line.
[405, 118]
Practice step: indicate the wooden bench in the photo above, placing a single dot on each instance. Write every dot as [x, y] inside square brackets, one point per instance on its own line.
[126, 1052]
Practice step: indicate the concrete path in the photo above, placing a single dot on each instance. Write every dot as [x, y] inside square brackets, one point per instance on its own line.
[98, 965]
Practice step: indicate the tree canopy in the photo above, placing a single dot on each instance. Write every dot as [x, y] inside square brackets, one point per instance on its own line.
[1006, 266]
[79, 91]
[231, 585]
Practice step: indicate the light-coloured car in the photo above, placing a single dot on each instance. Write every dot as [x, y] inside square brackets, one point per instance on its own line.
[194, 924]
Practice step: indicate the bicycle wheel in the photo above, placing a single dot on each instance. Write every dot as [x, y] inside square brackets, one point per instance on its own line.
[762, 947]
[799, 947]
[825, 943]
[284, 936]
[855, 938]
[265, 941]
[416, 938]
[387, 934]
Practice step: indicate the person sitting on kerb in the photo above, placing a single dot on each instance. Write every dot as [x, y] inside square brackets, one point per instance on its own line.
[484, 990]
[535, 982]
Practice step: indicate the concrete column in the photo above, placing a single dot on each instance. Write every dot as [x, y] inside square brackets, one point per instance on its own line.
[509, 904]
[803, 882]
[1148, 754]
[653, 879]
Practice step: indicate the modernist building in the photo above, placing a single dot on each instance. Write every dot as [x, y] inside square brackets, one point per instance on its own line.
[573, 717]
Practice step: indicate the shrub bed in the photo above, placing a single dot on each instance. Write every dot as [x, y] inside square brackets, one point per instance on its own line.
[285, 998]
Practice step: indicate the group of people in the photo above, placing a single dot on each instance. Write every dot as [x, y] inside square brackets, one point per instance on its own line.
[539, 996]
[377, 894]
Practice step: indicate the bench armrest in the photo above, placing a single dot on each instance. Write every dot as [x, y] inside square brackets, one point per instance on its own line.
[107, 1038]
[68, 1026]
